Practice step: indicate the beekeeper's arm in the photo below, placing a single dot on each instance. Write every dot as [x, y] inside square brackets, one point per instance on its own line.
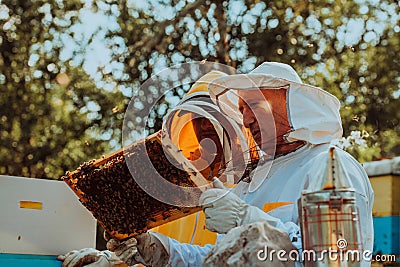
[149, 249]
[224, 210]
[155, 249]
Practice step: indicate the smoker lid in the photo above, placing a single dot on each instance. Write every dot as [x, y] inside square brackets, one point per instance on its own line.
[327, 195]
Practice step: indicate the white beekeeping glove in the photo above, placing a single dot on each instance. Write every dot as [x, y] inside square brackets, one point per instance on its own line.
[146, 248]
[224, 210]
[89, 257]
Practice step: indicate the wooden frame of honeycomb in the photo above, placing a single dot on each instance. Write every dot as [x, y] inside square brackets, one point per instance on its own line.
[107, 189]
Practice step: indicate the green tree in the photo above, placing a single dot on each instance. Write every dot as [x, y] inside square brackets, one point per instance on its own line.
[53, 117]
[63, 98]
[349, 49]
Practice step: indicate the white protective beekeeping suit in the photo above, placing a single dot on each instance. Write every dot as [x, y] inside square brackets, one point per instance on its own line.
[276, 185]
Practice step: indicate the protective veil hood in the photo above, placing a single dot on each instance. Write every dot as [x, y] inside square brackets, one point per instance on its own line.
[312, 112]
[197, 103]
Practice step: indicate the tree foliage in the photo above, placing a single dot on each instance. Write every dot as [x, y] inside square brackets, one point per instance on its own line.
[53, 117]
[69, 68]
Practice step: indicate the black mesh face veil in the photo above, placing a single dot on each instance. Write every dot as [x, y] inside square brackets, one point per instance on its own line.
[207, 122]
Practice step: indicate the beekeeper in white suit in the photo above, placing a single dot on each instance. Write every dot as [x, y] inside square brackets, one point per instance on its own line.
[213, 143]
[306, 119]
[293, 125]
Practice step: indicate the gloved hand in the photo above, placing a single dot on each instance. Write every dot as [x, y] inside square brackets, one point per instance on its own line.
[145, 248]
[89, 257]
[224, 210]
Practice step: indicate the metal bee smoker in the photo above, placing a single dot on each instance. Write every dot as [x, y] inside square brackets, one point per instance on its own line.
[330, 220]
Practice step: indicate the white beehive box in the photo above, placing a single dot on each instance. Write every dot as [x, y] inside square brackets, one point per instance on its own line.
[42, 217]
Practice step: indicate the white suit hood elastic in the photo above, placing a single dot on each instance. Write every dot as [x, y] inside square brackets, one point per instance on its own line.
[312, 112]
